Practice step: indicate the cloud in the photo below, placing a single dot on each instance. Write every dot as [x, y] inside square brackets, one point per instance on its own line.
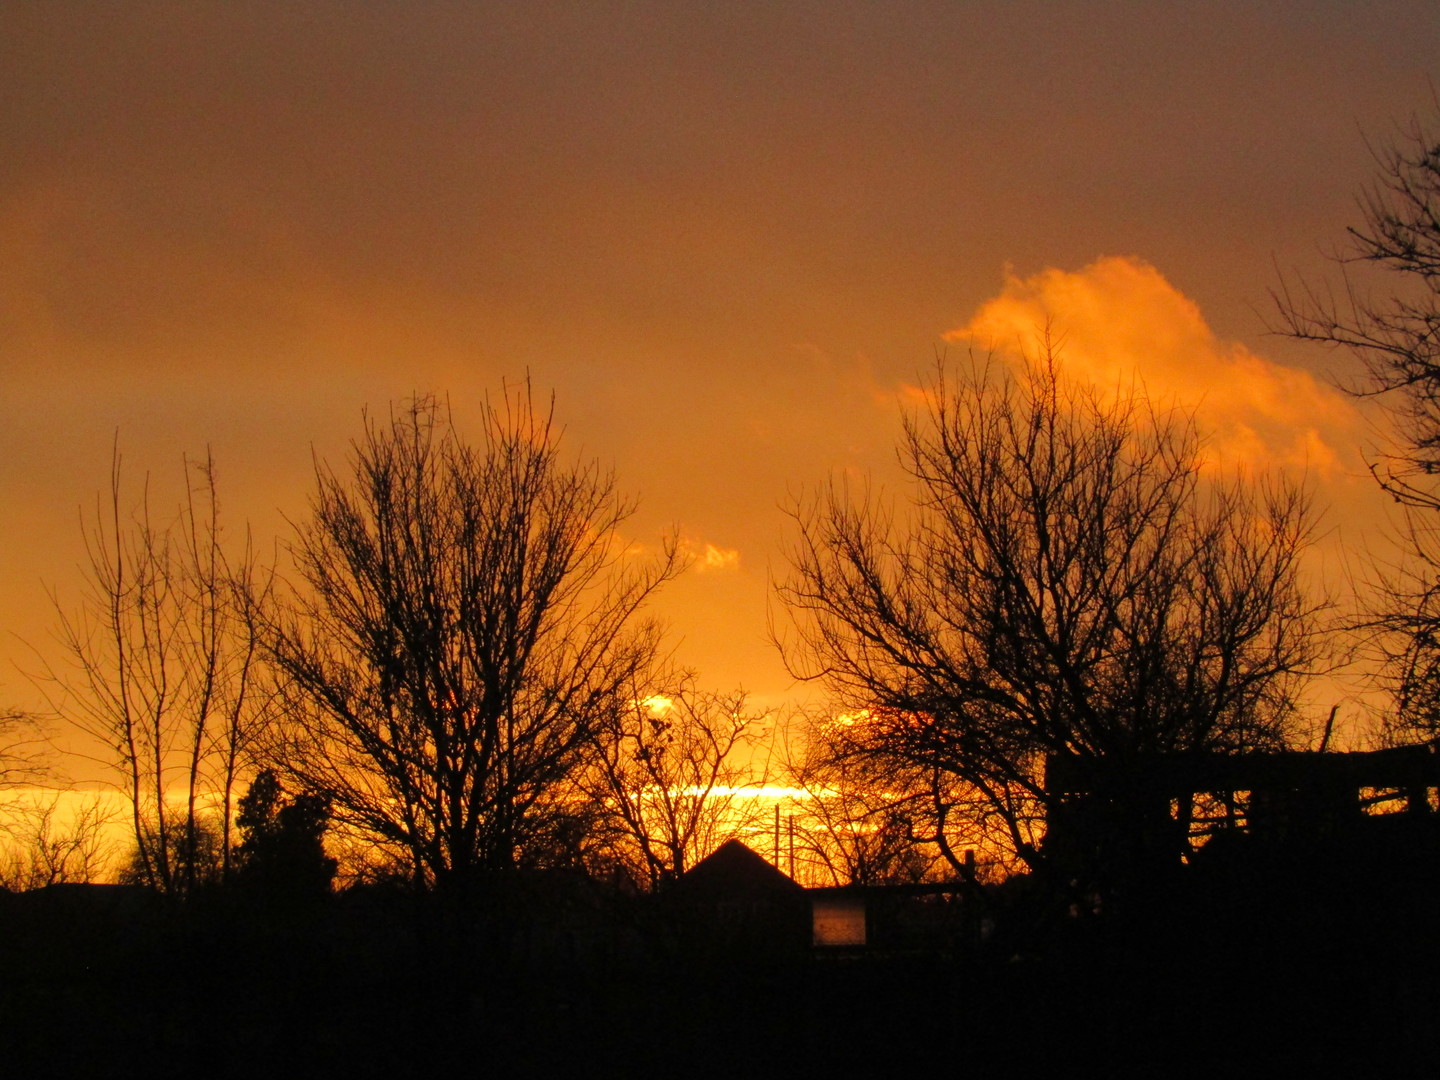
[708, 557]
[1119, 319]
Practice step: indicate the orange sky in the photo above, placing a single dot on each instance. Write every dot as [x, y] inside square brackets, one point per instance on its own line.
[728, 236]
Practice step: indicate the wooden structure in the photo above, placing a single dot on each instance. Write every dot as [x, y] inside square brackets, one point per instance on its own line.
[1173, 805]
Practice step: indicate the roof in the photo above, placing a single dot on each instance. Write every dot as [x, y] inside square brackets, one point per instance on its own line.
[733, 867]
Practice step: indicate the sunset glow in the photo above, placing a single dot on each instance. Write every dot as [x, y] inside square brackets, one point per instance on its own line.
[598, 538]
[730, 245]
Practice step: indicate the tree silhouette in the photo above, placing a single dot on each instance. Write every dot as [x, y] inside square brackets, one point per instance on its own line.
[1395, 336]
[862, 820]
[669, 768]
[190, 848]
[1062, 582]
[462, 621]
[25, 749]
[161, 666]
[282, 840]
[48, 846]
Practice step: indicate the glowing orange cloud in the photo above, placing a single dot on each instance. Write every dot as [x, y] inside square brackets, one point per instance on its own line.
[706, 557]
[1119, 320]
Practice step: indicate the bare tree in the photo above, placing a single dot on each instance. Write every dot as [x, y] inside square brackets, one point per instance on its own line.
[48, 846]
[25, 750]
[1390, 322]
[40, 848]
[855, 816]
[672, 768]
[1395, 336]
[1061, 582]
[189, 844]
[160, 665]
[462, 622]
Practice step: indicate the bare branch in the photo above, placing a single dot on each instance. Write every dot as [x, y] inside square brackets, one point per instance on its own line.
[463, 620]
[1060, 582]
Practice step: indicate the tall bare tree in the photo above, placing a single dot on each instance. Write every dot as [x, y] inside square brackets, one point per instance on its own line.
[463, 619]
[1061, 582]
[159, 666]
[1395, 335]
[1385, 312]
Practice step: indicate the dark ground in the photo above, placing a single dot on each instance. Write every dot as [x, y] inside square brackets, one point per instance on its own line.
[1275, 968]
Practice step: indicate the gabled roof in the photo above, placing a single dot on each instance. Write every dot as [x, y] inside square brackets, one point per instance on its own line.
[733, 867]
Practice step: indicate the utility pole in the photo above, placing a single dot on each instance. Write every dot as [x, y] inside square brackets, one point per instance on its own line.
[777, 836]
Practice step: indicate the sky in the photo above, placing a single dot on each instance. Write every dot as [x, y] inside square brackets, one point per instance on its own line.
[729, 237]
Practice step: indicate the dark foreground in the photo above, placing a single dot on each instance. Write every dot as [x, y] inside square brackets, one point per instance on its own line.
[1289, 970]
